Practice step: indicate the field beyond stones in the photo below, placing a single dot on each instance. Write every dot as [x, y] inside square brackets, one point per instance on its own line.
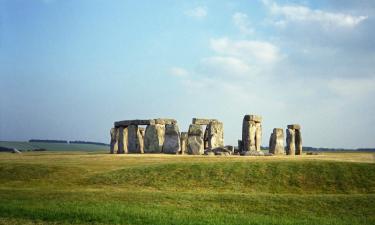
[98, 188]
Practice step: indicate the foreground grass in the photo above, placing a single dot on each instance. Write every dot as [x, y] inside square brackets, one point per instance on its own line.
[102, 189]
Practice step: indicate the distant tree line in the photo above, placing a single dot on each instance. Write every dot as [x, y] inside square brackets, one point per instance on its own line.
[67, 142]
[305, 148]
[88, 142]
[48, 141]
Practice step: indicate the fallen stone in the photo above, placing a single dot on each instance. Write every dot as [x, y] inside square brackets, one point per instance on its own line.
[252, 153]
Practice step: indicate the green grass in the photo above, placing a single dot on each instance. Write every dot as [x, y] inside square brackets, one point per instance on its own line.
[111, 189]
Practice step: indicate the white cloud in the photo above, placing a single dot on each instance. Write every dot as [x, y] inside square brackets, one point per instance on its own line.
[241, 21]
[199, 12]
[225, 66]
[259, 51]
[178, 71]
[298, 13]
[352, 88]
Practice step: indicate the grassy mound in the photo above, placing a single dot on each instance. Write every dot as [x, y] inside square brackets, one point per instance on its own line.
[269, 177]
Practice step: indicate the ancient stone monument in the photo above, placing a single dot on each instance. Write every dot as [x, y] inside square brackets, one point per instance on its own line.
[276, 145]
[293, 140]
[128, 137]
[251, 133]
[172, 143]
[195, 140]
[213, 137]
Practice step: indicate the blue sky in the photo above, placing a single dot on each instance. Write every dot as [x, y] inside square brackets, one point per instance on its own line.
[69, 68]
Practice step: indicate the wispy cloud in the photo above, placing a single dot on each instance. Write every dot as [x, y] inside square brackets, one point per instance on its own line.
[300, 13]
[178, 71]
[241, 21]
[198, 12]
[259, 51]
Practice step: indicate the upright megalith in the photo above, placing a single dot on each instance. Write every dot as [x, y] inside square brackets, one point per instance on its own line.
[172, 139]
[215, 133]
[154, 138]
[195, 140]
[183, 143]
[251, 133]
[135, 139]
[276, 145]
[213, 136]
[294, 139]
[122, 140]
[113, 143]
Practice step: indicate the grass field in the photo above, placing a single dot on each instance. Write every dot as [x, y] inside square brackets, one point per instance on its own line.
[93, 188]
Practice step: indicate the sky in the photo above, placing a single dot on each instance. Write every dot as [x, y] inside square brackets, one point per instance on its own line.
[70, 68]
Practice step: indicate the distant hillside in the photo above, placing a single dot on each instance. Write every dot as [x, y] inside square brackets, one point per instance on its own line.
[51, 146]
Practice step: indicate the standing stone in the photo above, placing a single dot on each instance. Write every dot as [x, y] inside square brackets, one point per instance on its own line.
[251, 133]
[195, 140]
[298, 142]
[135, 139]
[183, 143]
[206, 138]
[154, 138]
[276, 146]
[122, 140]
[290, 142]
[258, 136]
[113, 145]
[215, 134]
[172, 139]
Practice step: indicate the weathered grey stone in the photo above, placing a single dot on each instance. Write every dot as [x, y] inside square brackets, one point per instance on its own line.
[125, 123]
[240, 146]
[172, 139]
[276, 145]
[258, 136]
[252, 153]
[222, 151]
[154, 138]
[251, 133]
[135, 139]
[294, 126]
[195, 130]
[122, 140]
[254, 118]
[165, 121]
[290, 142]
[248, 135]
[205, 138]
[230, 148]
[298, 141]
[195, 140]
[199, 121]
[114, 140]
[183, 143]
[215, 133]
